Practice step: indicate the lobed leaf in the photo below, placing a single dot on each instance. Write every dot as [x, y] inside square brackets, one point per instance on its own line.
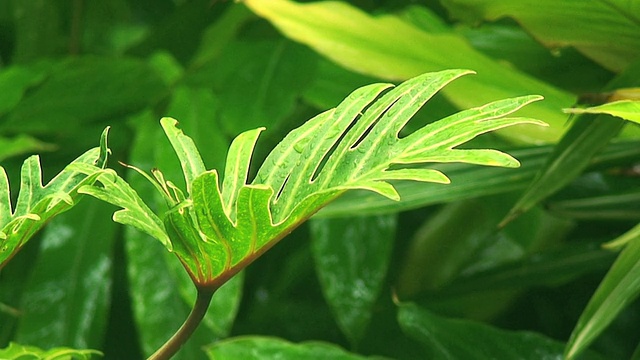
[224, 224]
[17, 351]
[36, 203]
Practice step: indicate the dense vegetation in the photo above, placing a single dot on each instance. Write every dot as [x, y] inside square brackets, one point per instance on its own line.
[503, 262]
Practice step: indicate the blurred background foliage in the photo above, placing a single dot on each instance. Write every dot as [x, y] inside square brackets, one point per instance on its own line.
[370, 276]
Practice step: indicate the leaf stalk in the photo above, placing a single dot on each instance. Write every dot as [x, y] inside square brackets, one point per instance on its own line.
[173, 345]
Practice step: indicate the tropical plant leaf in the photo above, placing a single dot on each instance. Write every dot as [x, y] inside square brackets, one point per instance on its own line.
[37, 204]
[445, 338]
[352, 256]
[16, 351]
[586, 26]
[626, 109]
[392, 54]
[219, 227]
[619, 288]
[261, 347]
[21, 144]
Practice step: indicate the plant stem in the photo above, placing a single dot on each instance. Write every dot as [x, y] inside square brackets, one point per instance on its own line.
[181, 336]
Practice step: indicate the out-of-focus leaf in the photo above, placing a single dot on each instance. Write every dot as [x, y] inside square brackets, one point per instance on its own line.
[67, 296]
[461, 240]
[623, 239]
[445, 338]
[85, 89]
[343, 33]
[21, 144]
[351, 257]
[22, 352]
[263, 90]
[260, 347]
[15, 81]
[606, 31]
[626, 109]
[546, 268]
[38, 35]
[36, 203]
[588, 135]
[622, 205]
[618, 289]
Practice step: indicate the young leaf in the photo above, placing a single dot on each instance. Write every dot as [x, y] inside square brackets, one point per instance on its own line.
[37, 204]
[215, 232]
[16, 351]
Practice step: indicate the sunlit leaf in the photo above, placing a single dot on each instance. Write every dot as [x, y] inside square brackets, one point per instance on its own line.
[218, 226]
[37, 204]
[16, 351]
[342, 33]
[626, 109]
[587, 26]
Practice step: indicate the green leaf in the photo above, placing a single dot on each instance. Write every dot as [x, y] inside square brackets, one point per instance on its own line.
[587, 136]
[66, 299]
[342, 33]
[14, 82]
[618, 289]
[37, 204]
[589, 27]
[445, 338]
[21, 144]
[352, 256]
[217, 232]
[626, 109]
[92, 89]
[260, 347]
[152, 270]
[16, 351]
[467, 181]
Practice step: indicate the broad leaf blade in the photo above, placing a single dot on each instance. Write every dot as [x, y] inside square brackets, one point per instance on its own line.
[328, 27]
[67, 296]
[260, 347]
[352, 256]
[587, 26]
[445, 338]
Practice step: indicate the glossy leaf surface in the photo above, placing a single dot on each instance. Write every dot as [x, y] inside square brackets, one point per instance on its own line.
[445, 338]
[352, 256]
